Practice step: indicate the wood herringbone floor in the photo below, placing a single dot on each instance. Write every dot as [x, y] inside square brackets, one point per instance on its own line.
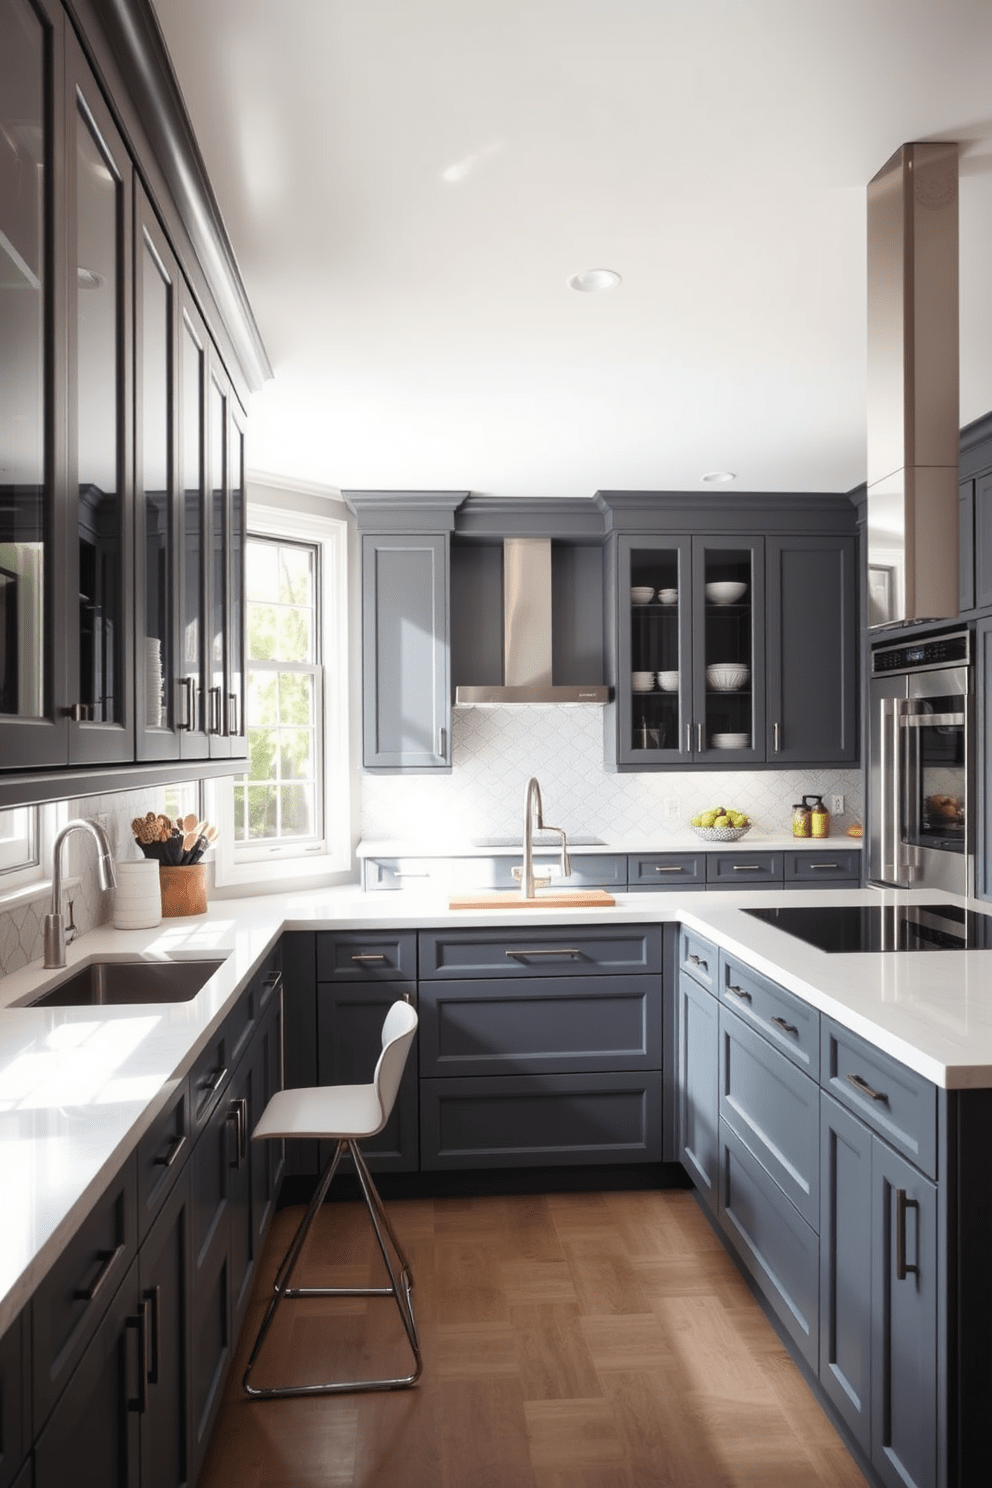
[569, 1341]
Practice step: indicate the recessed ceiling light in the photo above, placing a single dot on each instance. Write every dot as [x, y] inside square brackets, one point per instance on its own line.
[594, 281]
[718, 477]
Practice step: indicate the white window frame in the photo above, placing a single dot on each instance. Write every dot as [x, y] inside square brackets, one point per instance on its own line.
[285, 862]
[34, 878]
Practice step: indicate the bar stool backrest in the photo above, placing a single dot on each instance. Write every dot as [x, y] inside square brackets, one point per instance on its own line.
[397, 1036]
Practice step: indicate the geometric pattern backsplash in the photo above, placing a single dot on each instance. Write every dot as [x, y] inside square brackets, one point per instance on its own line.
[496, 750]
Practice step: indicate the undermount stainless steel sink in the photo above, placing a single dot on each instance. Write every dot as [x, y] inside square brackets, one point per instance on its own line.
[124, 983]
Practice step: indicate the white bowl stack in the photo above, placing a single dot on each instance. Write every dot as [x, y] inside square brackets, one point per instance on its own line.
[641, 594]
[668, 681]
[642, 681]
[153, 682]
[727, 676]
[138, 895]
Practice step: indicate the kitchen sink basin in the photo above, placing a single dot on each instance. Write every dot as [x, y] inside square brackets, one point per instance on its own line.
[123, 983]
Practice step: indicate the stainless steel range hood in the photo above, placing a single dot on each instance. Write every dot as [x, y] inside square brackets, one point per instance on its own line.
[527, 634]
[913, 374]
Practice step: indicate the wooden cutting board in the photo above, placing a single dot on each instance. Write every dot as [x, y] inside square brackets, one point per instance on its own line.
[550, 898]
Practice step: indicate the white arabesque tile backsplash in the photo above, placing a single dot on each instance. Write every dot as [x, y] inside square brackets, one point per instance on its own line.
[496, 750]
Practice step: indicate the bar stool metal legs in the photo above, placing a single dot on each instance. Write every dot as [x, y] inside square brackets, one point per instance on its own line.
[401, 1284]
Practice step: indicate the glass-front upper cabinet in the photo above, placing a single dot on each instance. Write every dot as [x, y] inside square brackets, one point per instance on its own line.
[191, 684]
[100, 424]
[33, 726]
[728, 649]
[155, 639]
[654, 693]
[236, 722]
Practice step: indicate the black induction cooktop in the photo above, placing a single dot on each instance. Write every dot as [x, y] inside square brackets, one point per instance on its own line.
[846, 928]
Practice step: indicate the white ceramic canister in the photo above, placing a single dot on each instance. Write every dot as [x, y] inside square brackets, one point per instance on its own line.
[138, 895]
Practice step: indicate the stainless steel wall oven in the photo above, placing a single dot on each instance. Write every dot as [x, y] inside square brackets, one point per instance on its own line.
[919, 764]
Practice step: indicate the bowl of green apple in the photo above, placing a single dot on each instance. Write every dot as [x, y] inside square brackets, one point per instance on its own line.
[721, 824]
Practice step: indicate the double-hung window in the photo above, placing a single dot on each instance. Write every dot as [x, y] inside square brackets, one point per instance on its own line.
[287, 814]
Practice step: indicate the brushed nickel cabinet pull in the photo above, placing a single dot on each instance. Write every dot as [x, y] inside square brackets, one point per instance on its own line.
[659, 869]
[903, 1268]
[699, 738]
[777, 737]
[747, 867]
[550, 951]
[215, 710]
[739, 993]
[368, 956]
[865, 1089]
[824, 865]
[442, 738]
[786, 1027]
[232, 713]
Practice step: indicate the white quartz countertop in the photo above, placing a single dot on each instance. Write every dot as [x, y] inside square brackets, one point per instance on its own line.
[680, 841]
[80, 1086]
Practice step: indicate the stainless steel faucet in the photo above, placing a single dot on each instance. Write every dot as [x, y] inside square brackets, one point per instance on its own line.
[54, 922]
[534, 821]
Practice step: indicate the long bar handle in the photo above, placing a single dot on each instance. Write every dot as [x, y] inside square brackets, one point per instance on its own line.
[187, 687]
[139, 1323]
[368, 956]
[215, 710]
[777, 737]
[699, 738]
[442, 739]
[153, 1364]
[108, 1259]
[814, 866]
[865, 1089]
[903, 1267]
[549, 951]
[170, 1157]
[747, 867]
[659, 869]
[232, 713]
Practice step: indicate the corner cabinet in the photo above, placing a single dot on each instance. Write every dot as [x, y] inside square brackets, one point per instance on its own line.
[728, 647]
[406, 646]
[122, 507]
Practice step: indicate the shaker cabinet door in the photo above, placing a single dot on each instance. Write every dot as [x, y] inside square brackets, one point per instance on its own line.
[405, 652]
[812, 610]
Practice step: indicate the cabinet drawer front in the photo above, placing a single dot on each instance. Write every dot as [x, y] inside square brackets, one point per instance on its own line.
[776, 1244]
[553, 1025]
[785, 1020]
[742, 870]
[825, 865]
[574, 950]
[699, 958]
[527, 1121]
[209, 1077]
[775, 1110]
[74, 1296]
[162, 1154]
[14, 1386]
[380, 874]
[589, 870]
[895, 1101]
[666, 870]
[353, 956]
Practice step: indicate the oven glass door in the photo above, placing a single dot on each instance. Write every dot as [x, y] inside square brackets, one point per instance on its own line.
[933, 736]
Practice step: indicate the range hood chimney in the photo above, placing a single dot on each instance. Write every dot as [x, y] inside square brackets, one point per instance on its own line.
[527, 634]
[913, 374]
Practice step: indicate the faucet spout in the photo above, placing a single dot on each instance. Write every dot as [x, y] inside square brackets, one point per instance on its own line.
[54, 921]
[534, 821]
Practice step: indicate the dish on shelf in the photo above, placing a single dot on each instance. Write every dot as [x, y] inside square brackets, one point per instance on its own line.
[642, 681]
[727, 676]
[721, 834]
[668, 596]
[641, 595]
[731, 741]
[725, 591]
[668, 681]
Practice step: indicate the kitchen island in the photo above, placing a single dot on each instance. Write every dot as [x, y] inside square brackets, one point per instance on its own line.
[79, 1088]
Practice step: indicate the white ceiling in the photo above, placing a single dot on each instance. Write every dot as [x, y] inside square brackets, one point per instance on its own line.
[408, 186]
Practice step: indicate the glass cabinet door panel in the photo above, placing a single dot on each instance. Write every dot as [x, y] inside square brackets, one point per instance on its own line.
[236, 621]
[25, 378]
[156, 705]
[728, 671]
[652, 686]
[99, 296]
[193, 547]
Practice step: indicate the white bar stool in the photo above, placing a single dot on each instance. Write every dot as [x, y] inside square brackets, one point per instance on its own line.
[344, 1114]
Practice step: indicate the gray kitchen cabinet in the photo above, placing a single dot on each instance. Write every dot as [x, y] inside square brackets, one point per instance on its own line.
[736, 645]
[983, 773]
[827, 865]
[540, 1047]
[725, 870]
[698, 1085]
[811, 608]
[983, 541]
[405, 652]
[879, 1281]
[15, 1399]
[657, 871]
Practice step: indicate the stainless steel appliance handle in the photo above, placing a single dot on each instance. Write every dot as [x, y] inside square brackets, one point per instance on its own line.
[932, 720]
[889, 793]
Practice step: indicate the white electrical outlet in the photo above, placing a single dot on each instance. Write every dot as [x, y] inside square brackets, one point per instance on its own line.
[672, 806]
[836, 805]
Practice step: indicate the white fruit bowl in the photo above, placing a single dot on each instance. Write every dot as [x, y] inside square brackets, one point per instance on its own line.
[727, 677]
[721, 834]
[724, 592]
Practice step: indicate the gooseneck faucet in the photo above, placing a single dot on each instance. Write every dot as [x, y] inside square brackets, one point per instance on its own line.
[534, 821]
[54, 922]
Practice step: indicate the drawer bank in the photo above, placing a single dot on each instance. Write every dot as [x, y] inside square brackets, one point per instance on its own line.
[849, 1188]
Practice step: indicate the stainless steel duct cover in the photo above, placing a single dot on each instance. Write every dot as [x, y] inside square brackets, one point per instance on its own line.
[913, 376]
[527, 634]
